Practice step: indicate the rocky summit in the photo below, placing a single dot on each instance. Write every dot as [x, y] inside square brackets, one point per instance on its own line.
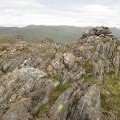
[97, 31]
[45, 80]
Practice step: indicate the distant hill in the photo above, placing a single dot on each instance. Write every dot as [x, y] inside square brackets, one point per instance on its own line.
[57, 33]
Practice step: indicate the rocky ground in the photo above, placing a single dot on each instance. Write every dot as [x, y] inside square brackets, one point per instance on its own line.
[51, 81]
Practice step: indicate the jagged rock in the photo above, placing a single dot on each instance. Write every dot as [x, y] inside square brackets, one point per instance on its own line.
[28, 73]
[18, 111]
[27, 70]
[56, 63]
[79, 102]
[24, 87]
[98, 31]
[117, 63]
[69, 60]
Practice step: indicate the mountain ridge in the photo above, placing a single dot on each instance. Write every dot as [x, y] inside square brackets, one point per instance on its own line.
[58, 33]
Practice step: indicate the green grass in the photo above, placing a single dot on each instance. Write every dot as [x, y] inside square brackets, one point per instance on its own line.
[56, 77]
[110, 100]
[88, 66]
[54, 95]
[91, 79]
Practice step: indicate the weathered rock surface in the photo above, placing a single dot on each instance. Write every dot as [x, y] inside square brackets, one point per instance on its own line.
[23, 91]
[80, 102]
[98, 31]
[32, 73]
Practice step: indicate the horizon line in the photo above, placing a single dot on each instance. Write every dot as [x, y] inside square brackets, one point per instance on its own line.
[56, 26]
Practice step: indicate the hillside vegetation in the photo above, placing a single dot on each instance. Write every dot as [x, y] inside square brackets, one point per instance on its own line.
[57, 33]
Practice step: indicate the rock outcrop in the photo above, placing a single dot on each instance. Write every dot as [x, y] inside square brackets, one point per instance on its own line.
[50, 81]
[97, 31]
[80, 102]
[23, 91]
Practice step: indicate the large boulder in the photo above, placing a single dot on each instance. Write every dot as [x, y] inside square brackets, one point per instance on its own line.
[23, 91]
[69, 59]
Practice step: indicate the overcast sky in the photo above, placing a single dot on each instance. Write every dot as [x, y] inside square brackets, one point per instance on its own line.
[60, 12]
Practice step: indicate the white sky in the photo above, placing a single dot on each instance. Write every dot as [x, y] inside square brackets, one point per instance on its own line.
[60, 12]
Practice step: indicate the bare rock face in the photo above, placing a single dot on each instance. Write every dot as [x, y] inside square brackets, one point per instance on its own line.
[96, 53]
[79, 102]
[69, 60]
[17, 111]
[23, 91]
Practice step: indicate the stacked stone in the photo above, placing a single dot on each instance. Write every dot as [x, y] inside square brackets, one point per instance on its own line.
[97, 31]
